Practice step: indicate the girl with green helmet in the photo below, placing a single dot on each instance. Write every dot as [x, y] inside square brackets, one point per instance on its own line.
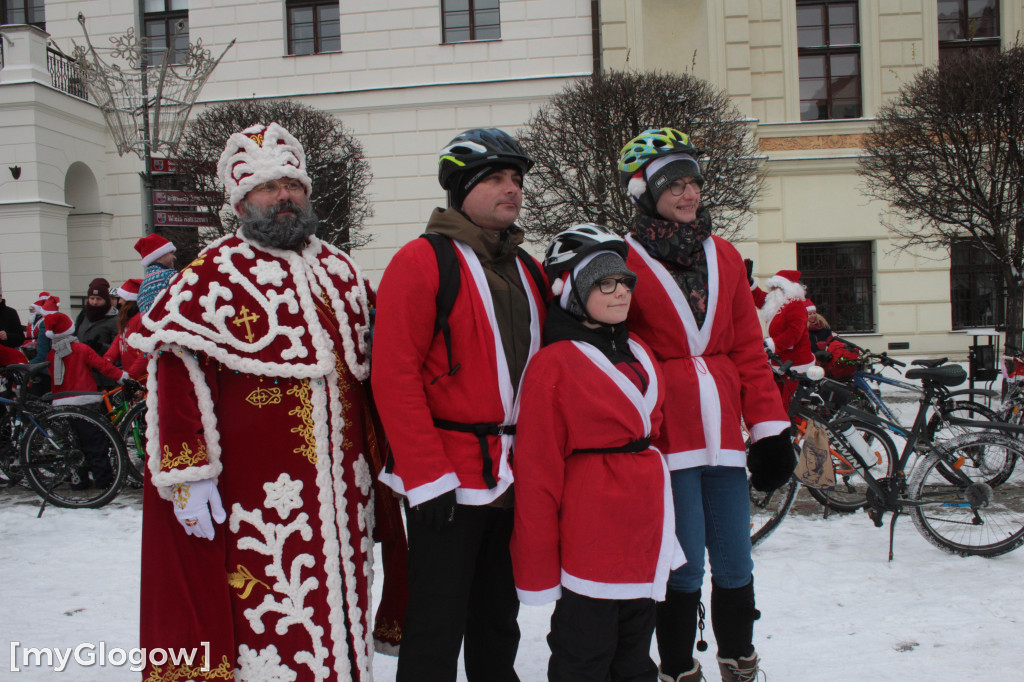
[693, 307]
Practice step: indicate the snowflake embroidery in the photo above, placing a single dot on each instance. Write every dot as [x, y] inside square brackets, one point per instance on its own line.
[262, 666]
[338, 267]
[284, 495]
[268, 272]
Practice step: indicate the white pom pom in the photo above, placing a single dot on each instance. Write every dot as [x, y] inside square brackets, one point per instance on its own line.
[815, 373]
[636, 186]
[557, 286]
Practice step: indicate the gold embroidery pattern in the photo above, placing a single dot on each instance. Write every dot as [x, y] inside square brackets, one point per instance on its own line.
[305, 413]
[244, 580]
[196, 263]
[186, 458]
[262, 397]
[391, 632]
[245, 317]
[344, 376]
[173, 673]
[180, 494]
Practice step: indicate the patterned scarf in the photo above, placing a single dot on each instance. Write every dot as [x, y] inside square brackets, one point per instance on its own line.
[61, 349]
[680, 246]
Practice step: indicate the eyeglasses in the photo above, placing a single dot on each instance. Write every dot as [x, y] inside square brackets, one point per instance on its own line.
[679, 186]
[275, 186]
[608, 285]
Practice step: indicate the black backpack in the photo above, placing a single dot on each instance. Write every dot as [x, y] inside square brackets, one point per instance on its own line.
[448, 287]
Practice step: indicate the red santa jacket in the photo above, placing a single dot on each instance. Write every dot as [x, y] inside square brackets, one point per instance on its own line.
[429, 461]
[600, 524]
[78, 368]
[788, 337]
[716, 375]
[122, 353]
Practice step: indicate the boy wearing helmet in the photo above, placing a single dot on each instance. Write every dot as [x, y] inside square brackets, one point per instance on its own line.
[594, 527]
[447, 402]
[694, 309]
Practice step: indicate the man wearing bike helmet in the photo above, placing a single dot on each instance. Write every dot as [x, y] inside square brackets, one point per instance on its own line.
[595, 528]
[447, 401]
[693, 307]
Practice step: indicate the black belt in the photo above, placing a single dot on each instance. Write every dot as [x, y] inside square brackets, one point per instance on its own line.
[634, 446]
[481, 431]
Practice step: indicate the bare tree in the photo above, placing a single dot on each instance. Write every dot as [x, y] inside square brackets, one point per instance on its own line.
[334, 161]
[946, 155]
[576, 137]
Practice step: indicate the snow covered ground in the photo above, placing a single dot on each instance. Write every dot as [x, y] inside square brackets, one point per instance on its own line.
[833, 607]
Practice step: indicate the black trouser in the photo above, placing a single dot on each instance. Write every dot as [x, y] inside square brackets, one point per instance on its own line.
[96, 447]
[594, 640]
[460, 587]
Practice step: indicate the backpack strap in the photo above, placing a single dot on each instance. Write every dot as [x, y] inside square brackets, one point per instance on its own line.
[531, 266]
[447, 290]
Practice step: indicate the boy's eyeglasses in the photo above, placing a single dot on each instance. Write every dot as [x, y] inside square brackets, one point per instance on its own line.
[608, 285]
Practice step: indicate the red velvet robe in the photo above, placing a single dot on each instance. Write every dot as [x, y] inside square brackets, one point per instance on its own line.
[256, 381]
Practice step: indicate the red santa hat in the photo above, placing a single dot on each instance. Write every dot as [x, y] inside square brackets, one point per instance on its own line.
[809, 304]
[58, 325]
[152, 247]
[37, 307]
[129, 291]
[260, 154]
[783, 278]
[50, 305]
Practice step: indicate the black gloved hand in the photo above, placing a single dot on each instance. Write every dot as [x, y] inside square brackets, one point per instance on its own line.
[750, 270]
[437, 512]
[771, 461]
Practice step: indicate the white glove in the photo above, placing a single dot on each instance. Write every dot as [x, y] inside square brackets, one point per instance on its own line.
[193, 505]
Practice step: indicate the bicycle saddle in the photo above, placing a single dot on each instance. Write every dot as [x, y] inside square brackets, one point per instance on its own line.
[943, 375]
[930, 362]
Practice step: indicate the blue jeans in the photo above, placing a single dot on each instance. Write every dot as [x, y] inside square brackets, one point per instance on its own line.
[712, 506]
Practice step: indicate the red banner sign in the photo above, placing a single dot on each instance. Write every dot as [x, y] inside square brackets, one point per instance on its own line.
[191, 218]
[167, 197]
[163, 165]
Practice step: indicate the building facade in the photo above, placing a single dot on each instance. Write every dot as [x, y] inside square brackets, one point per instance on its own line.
[405, 75]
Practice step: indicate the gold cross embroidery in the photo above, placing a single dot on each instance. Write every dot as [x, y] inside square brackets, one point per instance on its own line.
[245, 317]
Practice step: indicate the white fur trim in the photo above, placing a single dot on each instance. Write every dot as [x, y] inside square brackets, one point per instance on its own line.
[163, 480]
[557, 286]
[156, 253]
[539, 597]
[636, 187]
[247, 163]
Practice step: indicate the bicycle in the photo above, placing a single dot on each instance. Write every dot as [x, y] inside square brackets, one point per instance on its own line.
[55, 446]
[953, 505]
[126, 409]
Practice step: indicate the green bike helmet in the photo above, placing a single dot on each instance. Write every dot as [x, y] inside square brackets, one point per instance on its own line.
[642, 150]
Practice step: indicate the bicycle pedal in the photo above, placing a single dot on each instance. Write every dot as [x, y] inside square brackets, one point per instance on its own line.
[876, 517]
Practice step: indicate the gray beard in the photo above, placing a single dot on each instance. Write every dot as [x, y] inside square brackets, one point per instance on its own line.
[292, 233]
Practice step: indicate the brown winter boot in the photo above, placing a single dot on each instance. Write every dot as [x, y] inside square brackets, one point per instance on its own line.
[743, 669]
[693, 675]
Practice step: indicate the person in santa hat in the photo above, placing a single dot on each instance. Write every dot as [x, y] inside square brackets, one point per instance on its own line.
[12, 334]
[692, 307]
[158, 256]
[121, 353]
[45, 305]
[71, 370]
[258, 514]
[784, 309]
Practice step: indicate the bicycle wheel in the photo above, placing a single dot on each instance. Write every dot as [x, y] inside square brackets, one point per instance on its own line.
[968, 516]
[768, 509]
[132, 428]
[988, 463]
[74, 458]
[876, 450]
